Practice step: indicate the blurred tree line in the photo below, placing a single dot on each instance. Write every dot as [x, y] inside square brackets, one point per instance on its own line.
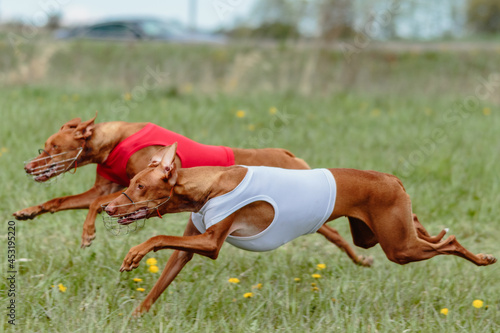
[484, 15]
[329, 20]
[291, 19]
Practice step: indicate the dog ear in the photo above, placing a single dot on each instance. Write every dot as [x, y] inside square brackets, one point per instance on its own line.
[84, 130]
[71, 124]
[167, 162]
[157, 157]
[167, 165]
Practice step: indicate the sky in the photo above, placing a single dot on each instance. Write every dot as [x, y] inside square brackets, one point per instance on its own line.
[211, 14]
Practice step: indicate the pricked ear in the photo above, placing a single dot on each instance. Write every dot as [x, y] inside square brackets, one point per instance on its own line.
[172, 176]
[71, 124]
[156, 158]
[84, 130]
[167, 162]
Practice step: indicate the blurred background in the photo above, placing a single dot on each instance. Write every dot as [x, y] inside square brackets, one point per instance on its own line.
[313, 46]
[410, 88]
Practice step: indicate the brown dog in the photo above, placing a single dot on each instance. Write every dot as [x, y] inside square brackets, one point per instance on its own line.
[376, 204]
[80, 143]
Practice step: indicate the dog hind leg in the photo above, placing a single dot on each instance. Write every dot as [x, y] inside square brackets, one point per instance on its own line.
[333, 236]
[399, 240]
[423, 234]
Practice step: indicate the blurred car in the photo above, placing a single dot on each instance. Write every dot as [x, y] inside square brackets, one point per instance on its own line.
[139, 29]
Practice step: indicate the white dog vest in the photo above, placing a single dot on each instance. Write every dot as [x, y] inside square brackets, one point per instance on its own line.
[302, 201]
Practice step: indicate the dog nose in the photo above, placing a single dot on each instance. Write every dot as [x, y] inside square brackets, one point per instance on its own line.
[110, 210]
[28, 168]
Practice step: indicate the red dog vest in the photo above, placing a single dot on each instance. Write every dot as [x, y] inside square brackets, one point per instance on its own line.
[191, 153]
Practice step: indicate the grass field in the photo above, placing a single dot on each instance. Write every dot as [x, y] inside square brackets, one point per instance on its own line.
[397, 113]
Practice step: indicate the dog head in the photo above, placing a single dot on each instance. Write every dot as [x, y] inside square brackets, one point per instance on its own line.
[148, 190]
[62, 150]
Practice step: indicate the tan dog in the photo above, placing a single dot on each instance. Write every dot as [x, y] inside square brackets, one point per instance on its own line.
[376, 204]
[78, 143]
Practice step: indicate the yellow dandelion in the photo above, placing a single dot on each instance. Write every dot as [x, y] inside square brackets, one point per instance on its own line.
[273, 110]
[320, 266]
[296, 279]
[127, 96]
[248, 295]
[334, 300]
[120, 314]
[141, 289]
[153, 269]
[257, 286]
[240, 114]
[62, 288]
[375, 113]
[313, 284]
[187, 88]
[137, 280]
[316, 276]
[52, 286]
[486, 111]
[151, 261]
[315, 289]
[478, 303]
[234, 280]
[444, 311]
[251, 127]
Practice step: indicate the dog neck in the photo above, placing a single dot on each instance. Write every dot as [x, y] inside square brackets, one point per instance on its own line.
[195, 186]
[106, 137]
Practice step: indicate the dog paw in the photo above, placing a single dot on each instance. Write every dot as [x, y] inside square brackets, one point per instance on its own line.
[133, 258]
[137, 313]
[365, 261]
[87, 239]
[27, 213]
[140, 310]
[487, 259]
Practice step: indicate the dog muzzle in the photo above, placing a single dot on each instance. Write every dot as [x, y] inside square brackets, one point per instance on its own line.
[47, 170]
[123, 224]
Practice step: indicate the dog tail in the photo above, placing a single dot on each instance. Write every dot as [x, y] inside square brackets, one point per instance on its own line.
[301, 163]
[400, 183]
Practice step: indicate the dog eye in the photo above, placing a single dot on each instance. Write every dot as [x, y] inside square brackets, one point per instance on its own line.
[140, 187]
[55, 146]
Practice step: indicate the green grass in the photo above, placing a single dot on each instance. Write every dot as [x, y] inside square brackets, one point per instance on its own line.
[379, 124]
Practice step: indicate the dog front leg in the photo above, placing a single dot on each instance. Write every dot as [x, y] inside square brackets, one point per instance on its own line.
[88, 234]
[207, 244]
[78, 201]
[175, 264]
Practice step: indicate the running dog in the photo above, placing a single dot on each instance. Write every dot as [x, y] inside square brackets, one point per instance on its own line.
[121, 150]
[262, 208]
